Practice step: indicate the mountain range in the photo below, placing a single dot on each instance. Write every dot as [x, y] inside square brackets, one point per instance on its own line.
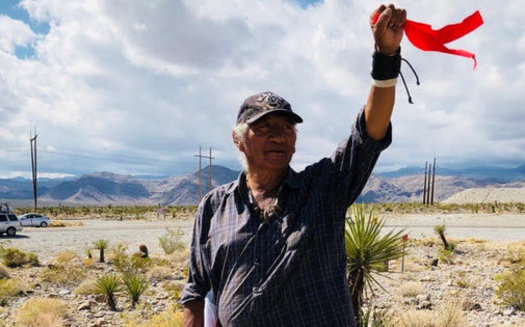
[404, 185]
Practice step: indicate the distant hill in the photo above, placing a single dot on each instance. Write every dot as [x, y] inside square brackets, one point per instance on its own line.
[106, 188]
[405, 185]
[495, 174]
[488, 195]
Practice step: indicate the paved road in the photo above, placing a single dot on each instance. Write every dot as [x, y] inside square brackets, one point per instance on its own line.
[80, 238]
[46, 242]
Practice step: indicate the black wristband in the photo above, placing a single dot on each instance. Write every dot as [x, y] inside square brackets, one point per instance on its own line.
[384, 66]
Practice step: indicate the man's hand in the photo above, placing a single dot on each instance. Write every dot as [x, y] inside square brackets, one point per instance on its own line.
[387, 27]
[194, 314]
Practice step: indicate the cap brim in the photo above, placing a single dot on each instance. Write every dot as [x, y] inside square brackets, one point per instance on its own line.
[281, 112]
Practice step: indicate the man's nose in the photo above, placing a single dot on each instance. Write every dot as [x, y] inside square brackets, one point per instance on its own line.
[276, 134]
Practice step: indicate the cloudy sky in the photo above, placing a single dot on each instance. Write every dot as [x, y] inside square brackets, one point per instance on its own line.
[136, 87]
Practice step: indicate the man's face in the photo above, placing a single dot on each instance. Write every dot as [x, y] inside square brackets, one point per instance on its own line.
[270, 143]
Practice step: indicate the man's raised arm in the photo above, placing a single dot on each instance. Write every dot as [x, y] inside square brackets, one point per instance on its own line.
[387, 28]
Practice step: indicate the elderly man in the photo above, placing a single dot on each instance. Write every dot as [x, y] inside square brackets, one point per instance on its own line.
[270, 246]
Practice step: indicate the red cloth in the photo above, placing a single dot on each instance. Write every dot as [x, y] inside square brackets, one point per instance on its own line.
[425, 38]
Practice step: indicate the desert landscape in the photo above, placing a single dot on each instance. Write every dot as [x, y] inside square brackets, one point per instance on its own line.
[50, 275]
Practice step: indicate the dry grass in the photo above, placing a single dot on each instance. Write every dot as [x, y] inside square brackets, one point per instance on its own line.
[411, 289]
[65, 269]
[427, 241]
[10, 288]
[62, 223]
[14, 257]
[4, 271]
[161, 273]
[168, 318]
[449, 315]
[42, 312]
[180, 258]
[474, 240]
[86, 287]
[174, 288]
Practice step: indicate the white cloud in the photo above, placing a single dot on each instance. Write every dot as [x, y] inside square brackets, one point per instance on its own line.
[136, 87]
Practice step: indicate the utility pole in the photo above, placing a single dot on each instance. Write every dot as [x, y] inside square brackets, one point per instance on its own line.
[428, 183]
[425, 184]
[210, 183]
[200, 172]
[433, 181]
[32, 141]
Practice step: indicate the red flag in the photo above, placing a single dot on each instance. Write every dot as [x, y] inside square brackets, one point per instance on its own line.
[422, 35]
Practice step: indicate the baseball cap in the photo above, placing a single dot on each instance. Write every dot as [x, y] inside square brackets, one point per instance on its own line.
[262, 104]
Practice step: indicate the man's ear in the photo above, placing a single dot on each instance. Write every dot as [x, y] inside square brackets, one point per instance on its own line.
[238, 143]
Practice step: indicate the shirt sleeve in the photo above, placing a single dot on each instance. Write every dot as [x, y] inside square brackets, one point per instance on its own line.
[198, 283]
[354, 160]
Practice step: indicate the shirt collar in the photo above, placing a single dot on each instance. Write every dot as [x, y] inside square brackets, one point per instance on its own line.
[292, 179]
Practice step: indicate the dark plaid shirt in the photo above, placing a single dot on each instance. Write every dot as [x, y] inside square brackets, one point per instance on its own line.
[290, 270]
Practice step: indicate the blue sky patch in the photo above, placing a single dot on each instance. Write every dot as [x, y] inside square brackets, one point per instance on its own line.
[12, 9]
[306, 3]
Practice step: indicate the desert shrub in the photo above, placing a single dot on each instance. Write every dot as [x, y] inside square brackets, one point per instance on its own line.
[10, 288]
[42, 312]
[515, 254]
[119, 258]
[66, 269]
[67, 257]
[160, 273]
[180, 258]
[88, 262]
[511, 288]
[171, 241]
[86, 287]
[108, 285]
[446, 256]
[157, 261]
[14, 257]
[128, 264]
[140, 264]
[4, 272]
[174, 288]
[411, 289]
[135, 285]
[168, 318]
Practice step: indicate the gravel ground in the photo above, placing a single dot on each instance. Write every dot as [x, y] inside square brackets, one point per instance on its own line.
[468, 282]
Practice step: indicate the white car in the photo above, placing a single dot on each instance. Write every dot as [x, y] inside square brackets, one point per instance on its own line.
[34, 219]
[9, 224]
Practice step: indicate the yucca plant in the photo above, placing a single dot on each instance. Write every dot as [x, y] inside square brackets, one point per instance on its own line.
[440, 230]
[101, 245]
[136, 285]
[108, 285]
[367, 251]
